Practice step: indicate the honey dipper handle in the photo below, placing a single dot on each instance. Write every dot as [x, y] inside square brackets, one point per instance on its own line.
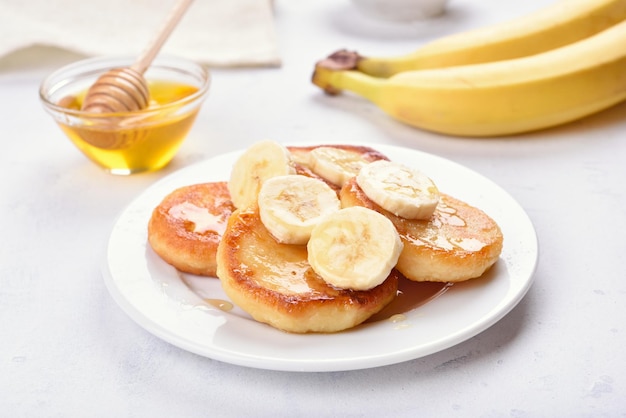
[146, 58]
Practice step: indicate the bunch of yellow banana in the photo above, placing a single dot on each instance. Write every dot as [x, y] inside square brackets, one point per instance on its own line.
[562, 23]
[557, 65]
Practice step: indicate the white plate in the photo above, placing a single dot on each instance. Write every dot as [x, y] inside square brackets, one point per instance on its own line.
[174, 306]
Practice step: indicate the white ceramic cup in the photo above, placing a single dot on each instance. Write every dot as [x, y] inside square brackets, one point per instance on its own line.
[401, 10]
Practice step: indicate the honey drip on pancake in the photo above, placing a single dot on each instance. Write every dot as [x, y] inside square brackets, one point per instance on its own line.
[201, 218]
[443, 216]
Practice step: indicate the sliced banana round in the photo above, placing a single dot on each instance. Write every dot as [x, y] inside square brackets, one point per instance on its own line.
[401, 190]
[261, 161]
[354, 248]
[290, 206]
[336, 165]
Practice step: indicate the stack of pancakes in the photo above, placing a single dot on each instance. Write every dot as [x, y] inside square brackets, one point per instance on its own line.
[198, 230]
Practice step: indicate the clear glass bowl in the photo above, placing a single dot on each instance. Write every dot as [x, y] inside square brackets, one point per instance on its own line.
[128, 142]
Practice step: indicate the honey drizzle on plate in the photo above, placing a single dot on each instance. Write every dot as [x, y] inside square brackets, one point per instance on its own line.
[410, 296]
[220, 304]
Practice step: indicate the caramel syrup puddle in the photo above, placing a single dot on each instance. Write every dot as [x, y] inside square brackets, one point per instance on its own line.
[410, 296]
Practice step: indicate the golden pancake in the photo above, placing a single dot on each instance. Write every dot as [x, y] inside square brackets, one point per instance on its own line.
[459, 242]
[186, 227]
[275, 284]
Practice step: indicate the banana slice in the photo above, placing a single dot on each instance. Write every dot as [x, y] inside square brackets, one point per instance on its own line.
[261, 161]
[290, 206]
[401, 190]
[354, 248]
[336, 165]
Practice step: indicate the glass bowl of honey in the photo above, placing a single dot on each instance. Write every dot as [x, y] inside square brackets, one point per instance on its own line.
[128, 142]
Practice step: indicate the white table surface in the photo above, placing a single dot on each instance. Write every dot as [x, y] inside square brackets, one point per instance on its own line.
[68, 350]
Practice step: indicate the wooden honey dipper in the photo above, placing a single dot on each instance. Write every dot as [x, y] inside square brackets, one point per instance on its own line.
[125, 89]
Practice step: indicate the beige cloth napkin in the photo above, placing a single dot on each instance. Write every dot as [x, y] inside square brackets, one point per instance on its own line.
[214, 32]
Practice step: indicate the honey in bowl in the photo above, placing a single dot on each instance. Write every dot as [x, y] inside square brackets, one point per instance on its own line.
[126, 145]
[135, 141]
